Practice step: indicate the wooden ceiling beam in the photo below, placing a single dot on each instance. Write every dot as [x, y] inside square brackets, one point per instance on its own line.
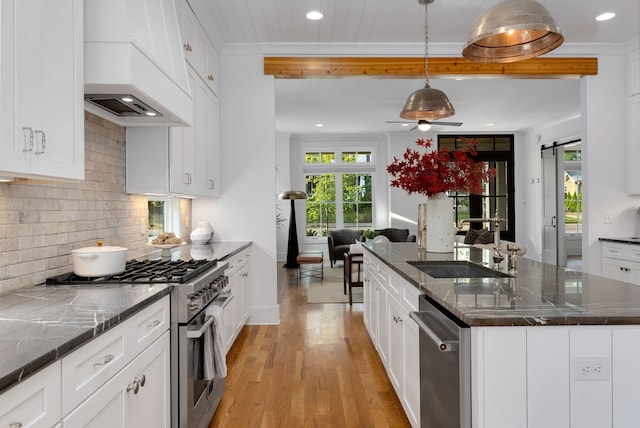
[403, 67]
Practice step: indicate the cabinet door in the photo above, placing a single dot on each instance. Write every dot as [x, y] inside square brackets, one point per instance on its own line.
[633, 145]
[246, 291]
[207, 142]
[182, 168]
[383, 324]
[34, 402]
[47, 93]
[127, 401]
[411, 368]
[395, 320]
[616, 269]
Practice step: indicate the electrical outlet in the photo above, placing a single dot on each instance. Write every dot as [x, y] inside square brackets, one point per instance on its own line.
[607, 218]
[143, 226]
[585, 369]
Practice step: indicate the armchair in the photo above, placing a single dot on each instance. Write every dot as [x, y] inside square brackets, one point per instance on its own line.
[339, 241]
[396, 235]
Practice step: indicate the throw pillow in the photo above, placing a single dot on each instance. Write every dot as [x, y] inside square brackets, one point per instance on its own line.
[471, 236]
[484, 237]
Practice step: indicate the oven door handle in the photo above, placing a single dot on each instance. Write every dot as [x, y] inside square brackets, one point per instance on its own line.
[196, 334]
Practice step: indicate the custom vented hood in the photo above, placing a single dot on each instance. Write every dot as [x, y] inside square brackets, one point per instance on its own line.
[135, 72]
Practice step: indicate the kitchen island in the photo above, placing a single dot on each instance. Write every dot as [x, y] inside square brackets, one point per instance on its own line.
[534, 338]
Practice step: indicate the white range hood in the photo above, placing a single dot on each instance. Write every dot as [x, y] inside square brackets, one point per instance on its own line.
[134, 67]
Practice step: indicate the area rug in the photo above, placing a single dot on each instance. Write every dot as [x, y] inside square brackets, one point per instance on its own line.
[332, 288]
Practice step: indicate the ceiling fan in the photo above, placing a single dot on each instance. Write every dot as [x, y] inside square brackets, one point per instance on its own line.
[425, 125]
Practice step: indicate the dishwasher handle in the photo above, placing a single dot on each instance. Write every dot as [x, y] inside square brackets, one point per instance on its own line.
[423, 318]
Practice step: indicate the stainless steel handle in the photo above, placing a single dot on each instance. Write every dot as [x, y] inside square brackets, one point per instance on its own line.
[135, 386]
[227, 301]
[210, 77]
[28, 148]
[107, 359]
[443, 345]
[43, 141]
[196, 334]
[553, 221]
[155, 323]
[212, 185]
[187, 47]
[142, 380]
[15, 424]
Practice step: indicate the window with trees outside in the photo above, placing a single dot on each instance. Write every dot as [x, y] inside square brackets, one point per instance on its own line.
[339, 190]
[573, 190]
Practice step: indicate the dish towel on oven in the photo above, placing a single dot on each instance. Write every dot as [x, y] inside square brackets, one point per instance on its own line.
[216, 364]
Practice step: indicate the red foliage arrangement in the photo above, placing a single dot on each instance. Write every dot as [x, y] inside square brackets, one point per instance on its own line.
[440, 170]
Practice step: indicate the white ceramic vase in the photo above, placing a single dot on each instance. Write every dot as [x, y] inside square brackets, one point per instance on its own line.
[202, 234]
[435, 224]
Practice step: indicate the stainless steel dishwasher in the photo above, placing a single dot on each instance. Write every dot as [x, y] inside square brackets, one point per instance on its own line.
[445, 366]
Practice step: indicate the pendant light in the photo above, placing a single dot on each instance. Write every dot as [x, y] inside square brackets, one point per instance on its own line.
[512, 30]
[427, 104]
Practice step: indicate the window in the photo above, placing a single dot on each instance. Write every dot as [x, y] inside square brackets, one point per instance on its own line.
[573, 190]
[339, 188]
[497, 151]
[164, 215]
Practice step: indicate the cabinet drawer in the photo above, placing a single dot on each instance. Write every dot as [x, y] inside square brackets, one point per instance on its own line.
[34, 402]
[237, 261]
[150, 324]
[394, 284]
[615, 250]
[410, 297]
[634, 253]
[89, 367]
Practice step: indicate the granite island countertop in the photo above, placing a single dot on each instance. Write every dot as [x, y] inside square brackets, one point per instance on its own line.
[43, 323]
[540, 294]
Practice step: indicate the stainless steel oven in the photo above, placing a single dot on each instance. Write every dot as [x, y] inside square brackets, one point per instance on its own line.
[445, 367]
[200, 392]
[197, 286]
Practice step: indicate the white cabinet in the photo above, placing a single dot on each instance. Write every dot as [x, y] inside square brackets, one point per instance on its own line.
[621, 261]
[34, 402]
[137, 396]
[388, 299]
[41, 89]
[198, 50]
[633, 122]
[183, 161]
[237, 310]
[122, 375]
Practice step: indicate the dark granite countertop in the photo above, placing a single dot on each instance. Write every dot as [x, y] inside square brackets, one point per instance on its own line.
[41, 324]
[625, 240]
[541, 294]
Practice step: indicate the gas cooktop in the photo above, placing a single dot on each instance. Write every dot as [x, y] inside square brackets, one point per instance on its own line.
[144, 271]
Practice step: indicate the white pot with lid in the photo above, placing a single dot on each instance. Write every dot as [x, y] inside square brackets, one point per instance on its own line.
[99, 260]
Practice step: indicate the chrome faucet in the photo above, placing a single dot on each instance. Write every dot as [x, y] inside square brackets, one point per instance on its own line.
[495, 220]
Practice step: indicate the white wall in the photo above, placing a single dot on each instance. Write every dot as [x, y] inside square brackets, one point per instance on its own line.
[604, 128]
[246, 209]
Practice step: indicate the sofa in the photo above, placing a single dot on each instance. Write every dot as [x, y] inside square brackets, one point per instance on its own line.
[339, 241]
[396, 235]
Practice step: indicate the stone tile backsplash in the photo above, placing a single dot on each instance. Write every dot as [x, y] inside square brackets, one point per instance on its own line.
[41, 221]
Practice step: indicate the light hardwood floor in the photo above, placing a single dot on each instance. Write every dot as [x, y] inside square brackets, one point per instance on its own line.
[318, 368]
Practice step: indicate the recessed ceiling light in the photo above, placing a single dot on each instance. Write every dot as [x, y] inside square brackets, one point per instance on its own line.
[605, 16]
[489, 124]
[314, 15]
[127, 99]
[151, 113]
[404, 124]
[319, 125]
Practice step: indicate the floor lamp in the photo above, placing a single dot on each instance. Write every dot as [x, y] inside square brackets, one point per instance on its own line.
[292, 246]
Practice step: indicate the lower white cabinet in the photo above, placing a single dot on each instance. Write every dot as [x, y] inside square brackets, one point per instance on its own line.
[34, 402]
[621, 261]
[137, 396]
[121, 378]
[237, 310]
[388, 299]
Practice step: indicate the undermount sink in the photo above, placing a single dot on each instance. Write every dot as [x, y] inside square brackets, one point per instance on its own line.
[449, 269]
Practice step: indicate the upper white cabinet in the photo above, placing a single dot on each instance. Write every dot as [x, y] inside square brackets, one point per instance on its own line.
[181, 161]
[633, 122]
[198, 50]
[41, 89]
